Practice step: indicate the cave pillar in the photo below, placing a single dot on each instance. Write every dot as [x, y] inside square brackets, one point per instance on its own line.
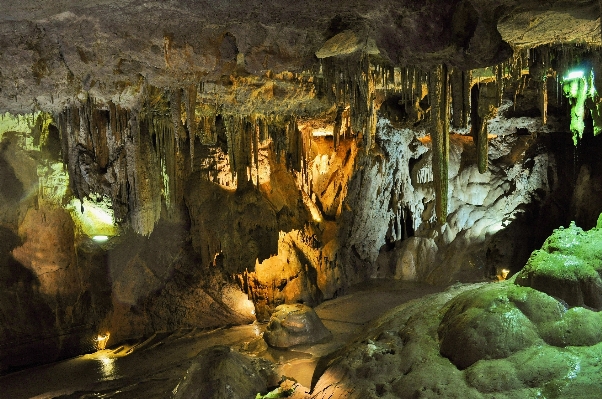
[440, 102]
[543, 101]
[484, 105]
[460, 92]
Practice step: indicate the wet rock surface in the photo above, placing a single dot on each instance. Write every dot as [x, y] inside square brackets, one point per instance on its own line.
[292, 325]
[568, 267]
[500, 341]
[221, 373]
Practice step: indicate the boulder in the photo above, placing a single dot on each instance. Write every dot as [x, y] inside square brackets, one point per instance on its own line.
[487, 323]
[295, 324]
[222, 373]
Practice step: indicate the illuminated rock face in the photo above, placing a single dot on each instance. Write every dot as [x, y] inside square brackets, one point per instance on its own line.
[568, 267]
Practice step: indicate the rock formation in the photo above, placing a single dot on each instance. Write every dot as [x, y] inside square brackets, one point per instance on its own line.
[481, 341]
[292, 325]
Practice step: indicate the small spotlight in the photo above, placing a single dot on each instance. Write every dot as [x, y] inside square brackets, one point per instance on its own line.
[574, 75]
[100, 238]
[101, 341]
[503, 274]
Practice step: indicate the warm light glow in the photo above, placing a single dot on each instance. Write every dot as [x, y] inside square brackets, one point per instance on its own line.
[101, 341]
[108, 368]
[503, 274]
[324, 131]
[96, 220]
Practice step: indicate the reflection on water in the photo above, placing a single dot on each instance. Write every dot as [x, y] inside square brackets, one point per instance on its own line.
[108, 369]
[152, 367]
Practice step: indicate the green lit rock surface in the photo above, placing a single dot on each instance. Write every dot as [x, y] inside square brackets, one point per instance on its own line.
[497, 340]
[487, 324]
[568, 267]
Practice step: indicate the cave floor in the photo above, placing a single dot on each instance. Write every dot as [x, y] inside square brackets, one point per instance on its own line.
[153, 367]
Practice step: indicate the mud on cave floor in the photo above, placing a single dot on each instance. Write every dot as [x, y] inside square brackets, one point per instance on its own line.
[153, 367]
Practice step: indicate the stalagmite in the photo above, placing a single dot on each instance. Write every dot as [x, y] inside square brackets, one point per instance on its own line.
[439, 94]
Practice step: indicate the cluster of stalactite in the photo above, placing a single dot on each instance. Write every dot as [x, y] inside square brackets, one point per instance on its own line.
[350, 83]
[578, 92]
[354, 91]
[108, 152]
[247, 134]
[138, 157]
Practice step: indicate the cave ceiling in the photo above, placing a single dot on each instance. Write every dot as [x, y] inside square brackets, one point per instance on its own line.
[255, 56]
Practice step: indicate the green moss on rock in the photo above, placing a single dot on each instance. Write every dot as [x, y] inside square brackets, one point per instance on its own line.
[568, 266]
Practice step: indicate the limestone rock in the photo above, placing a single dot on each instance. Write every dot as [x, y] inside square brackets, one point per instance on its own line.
[416, 254]
[568, 267]
[221, 373]
[346, 42]
[503, 341]
[294, 325]
[485, 324]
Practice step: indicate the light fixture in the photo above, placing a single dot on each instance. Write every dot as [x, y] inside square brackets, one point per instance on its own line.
[101, 341]
[574, 75]
[100, 238]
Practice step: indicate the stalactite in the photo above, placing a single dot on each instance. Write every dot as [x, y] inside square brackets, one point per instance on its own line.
[142, 178]
[208, 130]
[484, 101]
[499, 83]
[482, 143]
[351, 83]
[440, 96]
[233, 137]
[175, 104]
[191, 94]
[540, 63]
[543, 101]
[338, 123]
[255, 141]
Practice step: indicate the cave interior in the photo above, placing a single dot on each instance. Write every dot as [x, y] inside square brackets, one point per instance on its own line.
[260, 199]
